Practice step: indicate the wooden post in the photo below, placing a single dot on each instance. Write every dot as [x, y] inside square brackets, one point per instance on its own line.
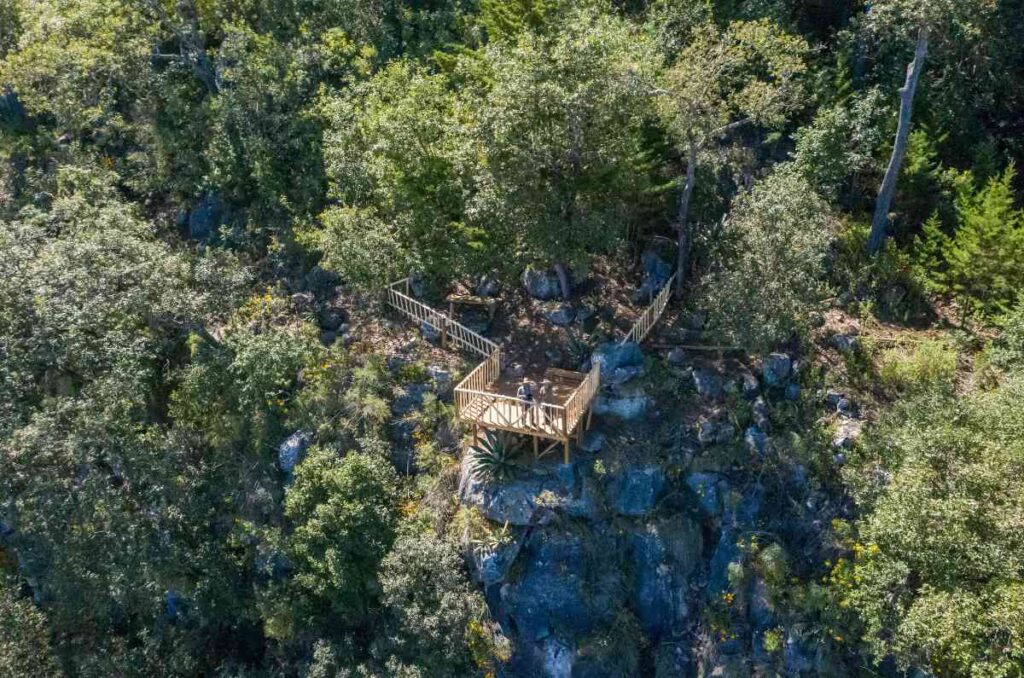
[536, 444]
[444, 333]
[566, 451]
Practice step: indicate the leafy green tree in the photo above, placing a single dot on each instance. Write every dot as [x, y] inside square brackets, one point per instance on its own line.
[721, 81]
[396, 158]
[939, 565]
[771, 276]
[559, 128]
[342, 512]
[434, 614]
[10, 26]
[24, 638]
[921, 22]
[83, 65]
[837, 149]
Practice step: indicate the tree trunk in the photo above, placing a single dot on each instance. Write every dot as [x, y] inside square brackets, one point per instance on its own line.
[563, 280]
[683, 248]
[880, 222]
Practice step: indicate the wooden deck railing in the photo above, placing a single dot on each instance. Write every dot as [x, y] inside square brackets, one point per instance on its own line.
[642, 327]
[477, 381]
[450, 329]
[477, 401]
[579, 402]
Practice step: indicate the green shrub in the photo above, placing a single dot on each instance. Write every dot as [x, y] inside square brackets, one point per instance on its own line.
[931, 363]
[1008, 350]
[888, 284]
[981, 264]
[496, 457]
[936, 577]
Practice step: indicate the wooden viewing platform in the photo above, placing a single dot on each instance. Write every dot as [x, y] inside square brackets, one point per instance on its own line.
[486, 397]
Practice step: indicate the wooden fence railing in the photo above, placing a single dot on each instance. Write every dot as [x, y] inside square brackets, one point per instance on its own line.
[579, 401]
[477, 381]
[462, 336]
[474, 399]
[642, 327]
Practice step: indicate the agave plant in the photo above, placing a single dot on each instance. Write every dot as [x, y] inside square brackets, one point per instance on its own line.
[578, 349]
[496, 457]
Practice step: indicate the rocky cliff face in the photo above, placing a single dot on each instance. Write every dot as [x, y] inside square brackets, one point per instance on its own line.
[666, 547]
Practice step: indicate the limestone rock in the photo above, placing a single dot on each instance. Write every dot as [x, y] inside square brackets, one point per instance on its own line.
[776, 369]
[541, 285]
[625, 402]
[293, 450]
[665, 555]
[709, 384]
[561, 315]
[636, 491]
[612, 356]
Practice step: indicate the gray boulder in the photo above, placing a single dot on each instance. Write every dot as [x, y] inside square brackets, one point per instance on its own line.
[759, 412]
[709, 489]
[797, 657]
[755, 439]
[636, 490]
[750, 385]
[665, 556]
[302, 300]
[558, 658]
[620, 375]
[676, 356]
[847, 434]
[725, 554]
[550, 592]
[487, 287]
[561, 316]
[321, 282]
[760, 610]
[513, 502]
[205, 218]
[613, 355]
[725, 433]
[293, 450]
[776, 369]
[441, 378]
[517, 502]
[627, 402]
[832, 398]
[709, 384]
[491, 565]
[330, 319]
[541, 285]
[707, 431]
[657, 271]
[845, 342]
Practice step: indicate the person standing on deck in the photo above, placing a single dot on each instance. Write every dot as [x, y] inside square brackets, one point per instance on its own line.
[525, 395]
[542, 399]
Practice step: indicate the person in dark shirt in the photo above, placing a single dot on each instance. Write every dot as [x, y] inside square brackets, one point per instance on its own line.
[525, 395]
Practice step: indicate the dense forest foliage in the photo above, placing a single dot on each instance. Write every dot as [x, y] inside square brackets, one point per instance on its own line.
[201, 199]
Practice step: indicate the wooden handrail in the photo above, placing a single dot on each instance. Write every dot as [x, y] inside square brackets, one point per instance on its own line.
[580, 398]
[449, 329]
[643, 325]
